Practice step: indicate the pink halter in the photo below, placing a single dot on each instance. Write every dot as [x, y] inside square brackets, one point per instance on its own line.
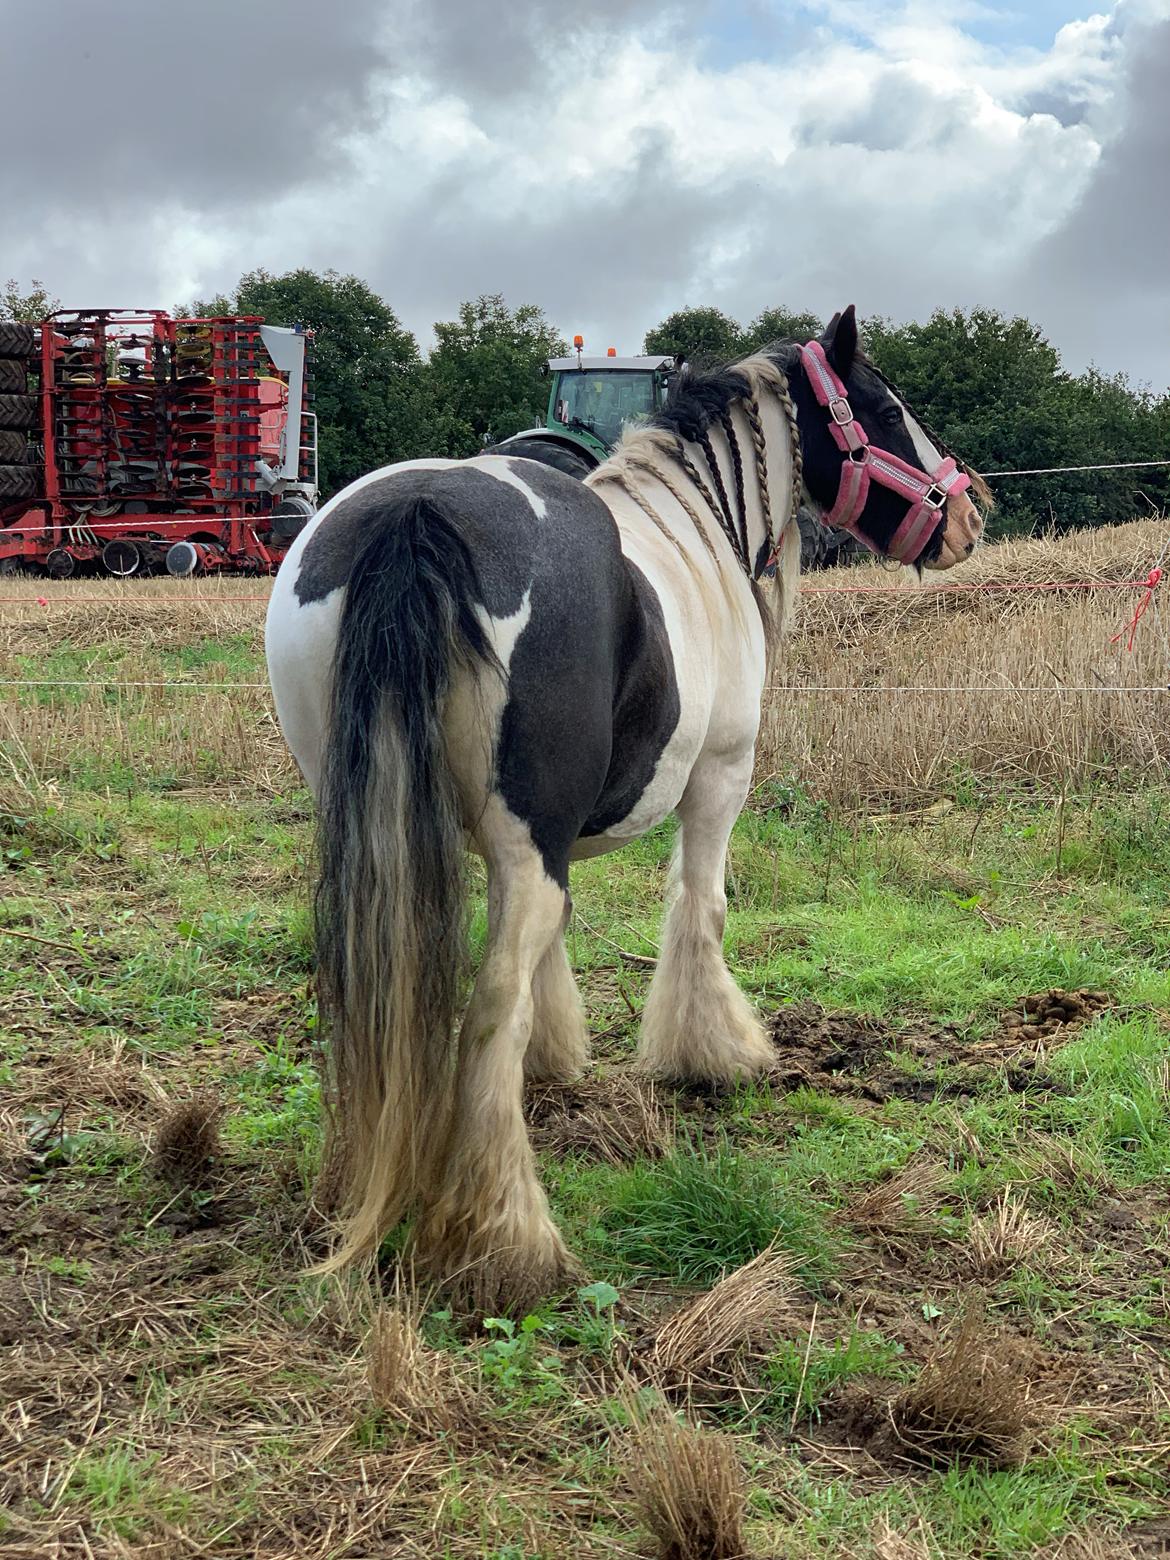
[927, 495]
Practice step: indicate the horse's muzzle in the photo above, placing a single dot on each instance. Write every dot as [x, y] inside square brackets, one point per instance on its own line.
[961, 534]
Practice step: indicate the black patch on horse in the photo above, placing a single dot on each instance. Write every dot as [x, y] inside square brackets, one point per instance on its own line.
[592, 696]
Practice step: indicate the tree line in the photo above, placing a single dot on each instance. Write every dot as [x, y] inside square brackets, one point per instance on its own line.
[991, 386]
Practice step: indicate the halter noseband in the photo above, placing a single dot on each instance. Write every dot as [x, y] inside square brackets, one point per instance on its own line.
[865, 463]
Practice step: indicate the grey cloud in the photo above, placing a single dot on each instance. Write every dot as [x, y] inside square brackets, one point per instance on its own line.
[226, 108]
[488, 53]
[1103, 274]
[1067, 109]
[225, 103]
[207, 104]
[622, 255]
[1121, 228]
[900, 112]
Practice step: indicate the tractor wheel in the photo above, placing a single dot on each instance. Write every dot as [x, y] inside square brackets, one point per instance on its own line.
[841, 549]
[17, 340]
[18, 411]
[18, 482]
[549, 452]
[813, 541]
[822, 548]
[13, 448]
[13, 376]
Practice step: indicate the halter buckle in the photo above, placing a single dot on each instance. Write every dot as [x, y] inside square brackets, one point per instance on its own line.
[840, 410]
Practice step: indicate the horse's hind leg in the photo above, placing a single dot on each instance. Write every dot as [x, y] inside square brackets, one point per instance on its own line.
[558, 1051]
[697, 1024]
[487, 1228]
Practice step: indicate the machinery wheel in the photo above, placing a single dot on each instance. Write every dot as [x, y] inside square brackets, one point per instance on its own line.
[822, 548]
[18, 482]
[121, 558]
[13, 448]
[13, 376]
[813, 541]
[60, 564]
[17, 340]
[18, 411]
[841, 549]
[188, 557]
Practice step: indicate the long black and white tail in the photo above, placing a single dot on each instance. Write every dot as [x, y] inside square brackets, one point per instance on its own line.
[390, 901]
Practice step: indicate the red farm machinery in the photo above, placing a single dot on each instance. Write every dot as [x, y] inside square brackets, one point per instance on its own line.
[132, 442]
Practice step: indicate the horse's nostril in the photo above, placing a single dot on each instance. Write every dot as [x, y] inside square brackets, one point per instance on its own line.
[969, 549]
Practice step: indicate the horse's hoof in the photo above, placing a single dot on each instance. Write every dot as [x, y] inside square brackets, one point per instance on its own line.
[509, 1283]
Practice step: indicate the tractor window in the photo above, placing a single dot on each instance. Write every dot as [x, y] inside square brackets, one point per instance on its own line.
[604, 401]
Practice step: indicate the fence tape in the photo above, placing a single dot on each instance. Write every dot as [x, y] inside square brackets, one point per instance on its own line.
[911, 593]
[1053, 471]
[263, 687]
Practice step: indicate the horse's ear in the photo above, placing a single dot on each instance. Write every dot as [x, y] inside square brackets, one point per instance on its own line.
[841, 341]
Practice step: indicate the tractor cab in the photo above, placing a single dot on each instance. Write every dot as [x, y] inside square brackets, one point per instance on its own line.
[591, 402]
[594, 399]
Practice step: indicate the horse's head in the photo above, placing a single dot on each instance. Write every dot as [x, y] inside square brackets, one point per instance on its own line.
[870, 465]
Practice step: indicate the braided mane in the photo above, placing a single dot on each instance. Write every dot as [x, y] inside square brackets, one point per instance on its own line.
[701, 399]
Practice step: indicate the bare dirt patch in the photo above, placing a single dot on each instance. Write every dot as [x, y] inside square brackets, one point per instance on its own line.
[875, 1060]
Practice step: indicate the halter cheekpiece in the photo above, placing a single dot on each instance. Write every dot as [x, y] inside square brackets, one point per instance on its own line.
[867, 462]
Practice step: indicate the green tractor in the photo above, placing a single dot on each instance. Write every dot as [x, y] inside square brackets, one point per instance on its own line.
[591, 402]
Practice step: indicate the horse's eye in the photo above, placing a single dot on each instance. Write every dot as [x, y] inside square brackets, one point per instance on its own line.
[891, 416]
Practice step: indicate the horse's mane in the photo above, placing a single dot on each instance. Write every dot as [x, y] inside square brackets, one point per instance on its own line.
[701, 399]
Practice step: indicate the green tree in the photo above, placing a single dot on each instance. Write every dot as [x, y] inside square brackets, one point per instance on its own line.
[367, 376]
[779, 325]
[704, 336]
[29, 307]
[484, 378]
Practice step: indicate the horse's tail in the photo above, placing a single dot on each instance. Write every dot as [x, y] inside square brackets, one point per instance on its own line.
[390, 900]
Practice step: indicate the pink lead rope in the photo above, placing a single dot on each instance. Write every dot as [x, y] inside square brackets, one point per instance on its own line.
[866, 463]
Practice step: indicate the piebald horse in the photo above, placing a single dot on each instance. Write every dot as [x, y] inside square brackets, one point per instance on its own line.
[490, 655]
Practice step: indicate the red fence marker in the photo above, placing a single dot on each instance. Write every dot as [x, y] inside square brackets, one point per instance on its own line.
[1139, 611]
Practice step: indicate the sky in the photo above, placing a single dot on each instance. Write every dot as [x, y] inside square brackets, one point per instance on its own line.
[612, 160]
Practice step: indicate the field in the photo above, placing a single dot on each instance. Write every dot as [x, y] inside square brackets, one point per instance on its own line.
[906, 1298]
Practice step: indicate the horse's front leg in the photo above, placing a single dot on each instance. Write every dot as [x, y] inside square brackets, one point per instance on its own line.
[697, 1025]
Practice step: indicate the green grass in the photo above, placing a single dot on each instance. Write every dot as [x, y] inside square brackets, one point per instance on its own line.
[695, 1215]
[800, 1375]
[181, 957]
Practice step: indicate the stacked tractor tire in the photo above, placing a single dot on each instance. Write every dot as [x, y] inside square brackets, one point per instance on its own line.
[21, 456]
[822, 547]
